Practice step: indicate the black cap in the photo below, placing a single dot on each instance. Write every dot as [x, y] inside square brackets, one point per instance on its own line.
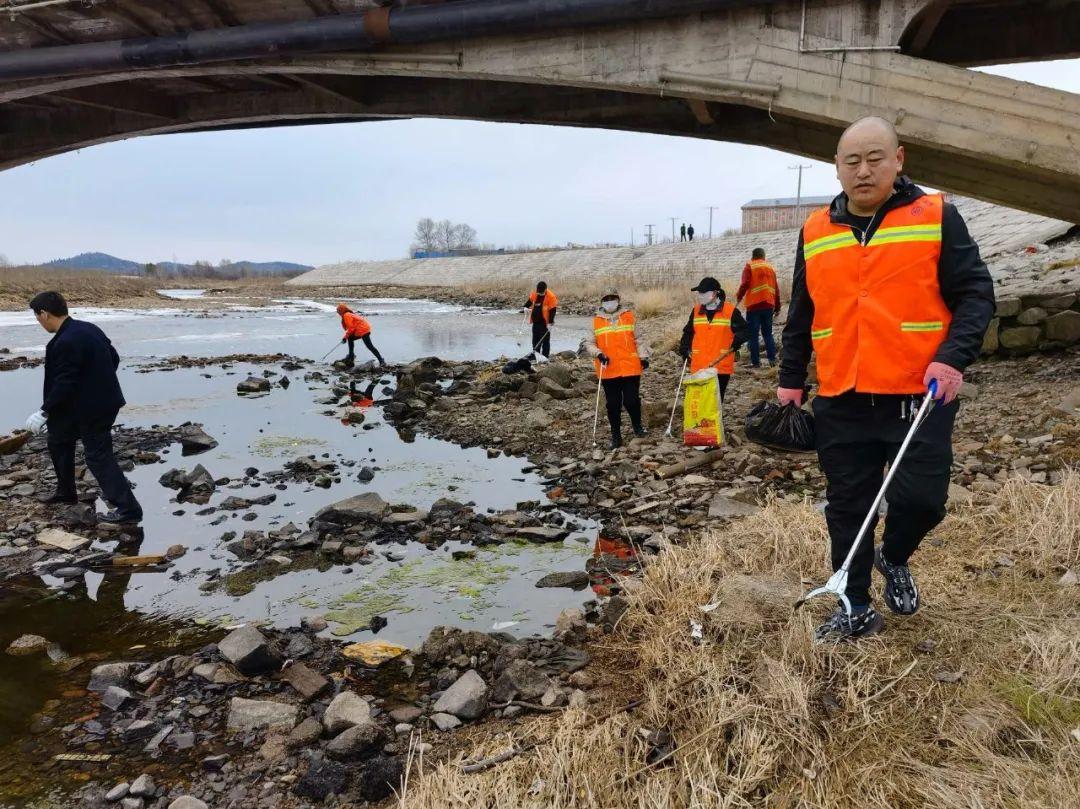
[707, 284]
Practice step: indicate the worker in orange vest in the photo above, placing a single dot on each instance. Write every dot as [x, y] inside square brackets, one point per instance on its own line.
[541, 308]
[762, 293]
[890, 293]
[356, 328]
[619, 355]
[713, 333]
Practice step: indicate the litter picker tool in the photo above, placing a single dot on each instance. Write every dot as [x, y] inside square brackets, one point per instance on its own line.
[678, 390]
[331, 351]
[536, 348]
[837, 583]
[596, 413]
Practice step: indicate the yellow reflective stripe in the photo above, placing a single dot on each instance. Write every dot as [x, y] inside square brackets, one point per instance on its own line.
[821, 334]
[610, 329]
[826, 243]
[907, 233]
[766, 287]
[929, 325]
[716, 321]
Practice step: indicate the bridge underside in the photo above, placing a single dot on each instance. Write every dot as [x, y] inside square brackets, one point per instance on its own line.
[743, 76]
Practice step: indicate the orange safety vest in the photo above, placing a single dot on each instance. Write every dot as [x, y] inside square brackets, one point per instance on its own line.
[550, 302]
[354, 325]
[763, 286]
[879, 317]
[616, 341]
[712, 339]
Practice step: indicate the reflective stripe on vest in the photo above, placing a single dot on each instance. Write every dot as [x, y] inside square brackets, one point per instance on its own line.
[618, 342]
[712, 339]
[879, 317]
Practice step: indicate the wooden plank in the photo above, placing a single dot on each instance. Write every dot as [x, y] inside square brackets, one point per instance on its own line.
[138, 561]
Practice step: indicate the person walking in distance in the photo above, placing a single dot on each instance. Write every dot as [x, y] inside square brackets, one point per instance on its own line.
[356, 328]
[541, 308]
[713, 333]
[80, 402]
[619, 356]
[682, 232]
[690, 233]
[762, 294]
[890, 293]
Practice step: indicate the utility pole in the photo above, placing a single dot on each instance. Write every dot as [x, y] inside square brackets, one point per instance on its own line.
[673, 219]
[649, 235]
[710, 209]
[631, 237]
[798, 193]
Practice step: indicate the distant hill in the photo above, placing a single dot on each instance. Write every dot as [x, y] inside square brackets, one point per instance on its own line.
[103, 262]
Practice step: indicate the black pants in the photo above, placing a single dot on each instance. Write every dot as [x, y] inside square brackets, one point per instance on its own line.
[96, 437]
[351, 356]
[624, 391]
[722, 382]
[858, 434]
[541, 338]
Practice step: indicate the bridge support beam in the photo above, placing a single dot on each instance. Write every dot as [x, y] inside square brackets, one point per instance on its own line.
[747, 76]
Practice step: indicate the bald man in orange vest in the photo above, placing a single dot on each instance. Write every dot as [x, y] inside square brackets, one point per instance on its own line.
[890, 293]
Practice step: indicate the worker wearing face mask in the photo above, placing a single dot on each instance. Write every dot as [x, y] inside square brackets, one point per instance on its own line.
[620, 355]
[713, 333]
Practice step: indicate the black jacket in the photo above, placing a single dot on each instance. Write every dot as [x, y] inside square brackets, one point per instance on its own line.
[80, 374]
[966, 287]
[738, 327]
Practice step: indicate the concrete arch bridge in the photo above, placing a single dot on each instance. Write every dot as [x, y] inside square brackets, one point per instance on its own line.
[789, 75]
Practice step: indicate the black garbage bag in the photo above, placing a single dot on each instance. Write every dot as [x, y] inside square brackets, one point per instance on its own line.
[786, 427]
[522, 366]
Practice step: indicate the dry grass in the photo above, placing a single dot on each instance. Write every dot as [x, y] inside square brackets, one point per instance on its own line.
[19, 284]
[774, 720]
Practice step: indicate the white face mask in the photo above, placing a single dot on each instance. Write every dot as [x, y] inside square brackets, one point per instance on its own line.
[705, 298]
[610, 306]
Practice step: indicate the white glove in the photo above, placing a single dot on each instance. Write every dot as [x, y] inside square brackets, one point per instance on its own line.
[36, 422]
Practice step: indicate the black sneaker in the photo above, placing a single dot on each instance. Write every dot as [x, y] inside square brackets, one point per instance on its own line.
[640, 432]
[119, 518]
[616, 442]
[842, 627]
[901, 592]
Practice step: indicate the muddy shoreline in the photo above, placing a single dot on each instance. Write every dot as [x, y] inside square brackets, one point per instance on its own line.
[544, 418]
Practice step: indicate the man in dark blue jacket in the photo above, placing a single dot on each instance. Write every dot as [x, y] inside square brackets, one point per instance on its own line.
[81, 399]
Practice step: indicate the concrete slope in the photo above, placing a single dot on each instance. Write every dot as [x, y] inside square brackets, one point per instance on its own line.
[996, 229]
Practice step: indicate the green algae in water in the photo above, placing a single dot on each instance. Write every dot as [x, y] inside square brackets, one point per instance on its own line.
[273, 446]
[244, 581]
[465, 579]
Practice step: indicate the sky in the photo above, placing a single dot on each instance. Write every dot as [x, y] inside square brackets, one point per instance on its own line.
[321, 194]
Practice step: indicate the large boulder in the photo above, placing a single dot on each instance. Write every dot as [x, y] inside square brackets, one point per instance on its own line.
[198, 481]
[574, 579]
[307, 682]
[249, 651]
[990, 339]
[193, 440]
[556, 372]
[555, 390]
[256, 714]
[253, 384]
[1019, 338]
[346, 710]
[366, 507]
[467, 698]
[1063, 327]
[521, 680]
[356, 743]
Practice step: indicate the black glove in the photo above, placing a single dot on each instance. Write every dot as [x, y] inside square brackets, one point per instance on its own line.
[344, 340]
[603, 358]
[645, 365]
[685, 355]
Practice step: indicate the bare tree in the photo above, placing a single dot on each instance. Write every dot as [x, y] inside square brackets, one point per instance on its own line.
[4, 261]
[443, 236]
[425, 238]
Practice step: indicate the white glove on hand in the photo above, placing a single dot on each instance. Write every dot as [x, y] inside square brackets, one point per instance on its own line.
[36, 422]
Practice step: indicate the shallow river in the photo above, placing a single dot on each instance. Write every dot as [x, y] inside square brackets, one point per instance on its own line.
[425, 588]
